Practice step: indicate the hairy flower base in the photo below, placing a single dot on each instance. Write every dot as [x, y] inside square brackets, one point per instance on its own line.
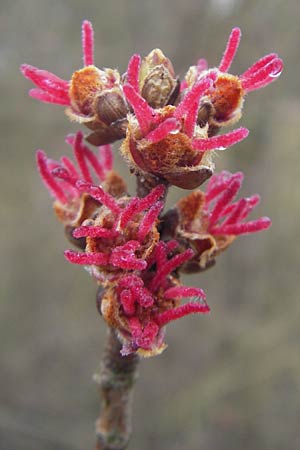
[209, 222]
[72, 206]
[221, 104]
[168, 143]
[93, 96]
[141, 304]
[121, 235]
[97, 101]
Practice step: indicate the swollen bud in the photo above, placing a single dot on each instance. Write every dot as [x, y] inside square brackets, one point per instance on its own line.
[97, 101]
[158, 84]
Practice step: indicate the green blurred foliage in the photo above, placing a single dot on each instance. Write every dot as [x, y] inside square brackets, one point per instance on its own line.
[227, 381]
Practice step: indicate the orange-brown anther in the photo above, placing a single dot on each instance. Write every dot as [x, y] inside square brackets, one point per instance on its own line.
[86, 83]
[190, 208]
[174, 150]
[110, 310]
[114, 184]
[172, 158]
[222, 103]
[227, 99]
[106, 219]
[188, 223]
[74, 213]
[115, 317]
[97, 101]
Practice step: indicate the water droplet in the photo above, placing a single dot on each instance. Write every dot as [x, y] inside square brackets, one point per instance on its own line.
[220, 148]
[275, 74]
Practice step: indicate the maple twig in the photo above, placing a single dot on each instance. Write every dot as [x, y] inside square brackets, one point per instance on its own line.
[116, 380]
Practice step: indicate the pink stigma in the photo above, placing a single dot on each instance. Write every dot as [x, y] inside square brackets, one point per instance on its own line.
[149, 220]
[259, 65]
[189, 105]
[94, 232]
[166, 127]
[144, 113]
[263, 223]
[106, 156]
[264, 72]
[169, 267]
[45, 97]
[202, 65]
[231, 49]
[51, 88]
[137, 205]
[226, 218]
[221, 142]
[83, 153]
[97, 259]
[184, 291]
[98, 194]
[181, 311]
[87, 43]
[133, 72]
[48, 178]
[124, 257]
[232, 188]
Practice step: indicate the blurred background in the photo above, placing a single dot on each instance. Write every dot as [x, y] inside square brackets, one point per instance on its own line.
[230, 380]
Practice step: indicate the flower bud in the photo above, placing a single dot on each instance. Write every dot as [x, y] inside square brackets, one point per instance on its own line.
[97, 101]
[110, 106]
[222, 103]
[209, 222]
[74, 213]
[158, 85]
[189, 225]
[121, 235]
[172, 158]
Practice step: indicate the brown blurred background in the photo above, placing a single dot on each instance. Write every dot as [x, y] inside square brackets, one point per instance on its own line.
[227, 381]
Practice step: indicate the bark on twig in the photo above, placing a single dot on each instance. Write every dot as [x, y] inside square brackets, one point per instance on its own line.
[116, 379]
[145, 183]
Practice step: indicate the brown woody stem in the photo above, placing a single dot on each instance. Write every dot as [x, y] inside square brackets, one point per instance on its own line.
[145, 183]
[116, 379]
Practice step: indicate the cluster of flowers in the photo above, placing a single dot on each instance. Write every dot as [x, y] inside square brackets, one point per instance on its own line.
[169, 129]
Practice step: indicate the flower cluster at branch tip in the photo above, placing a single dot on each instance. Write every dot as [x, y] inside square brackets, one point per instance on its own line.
[136, 251]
